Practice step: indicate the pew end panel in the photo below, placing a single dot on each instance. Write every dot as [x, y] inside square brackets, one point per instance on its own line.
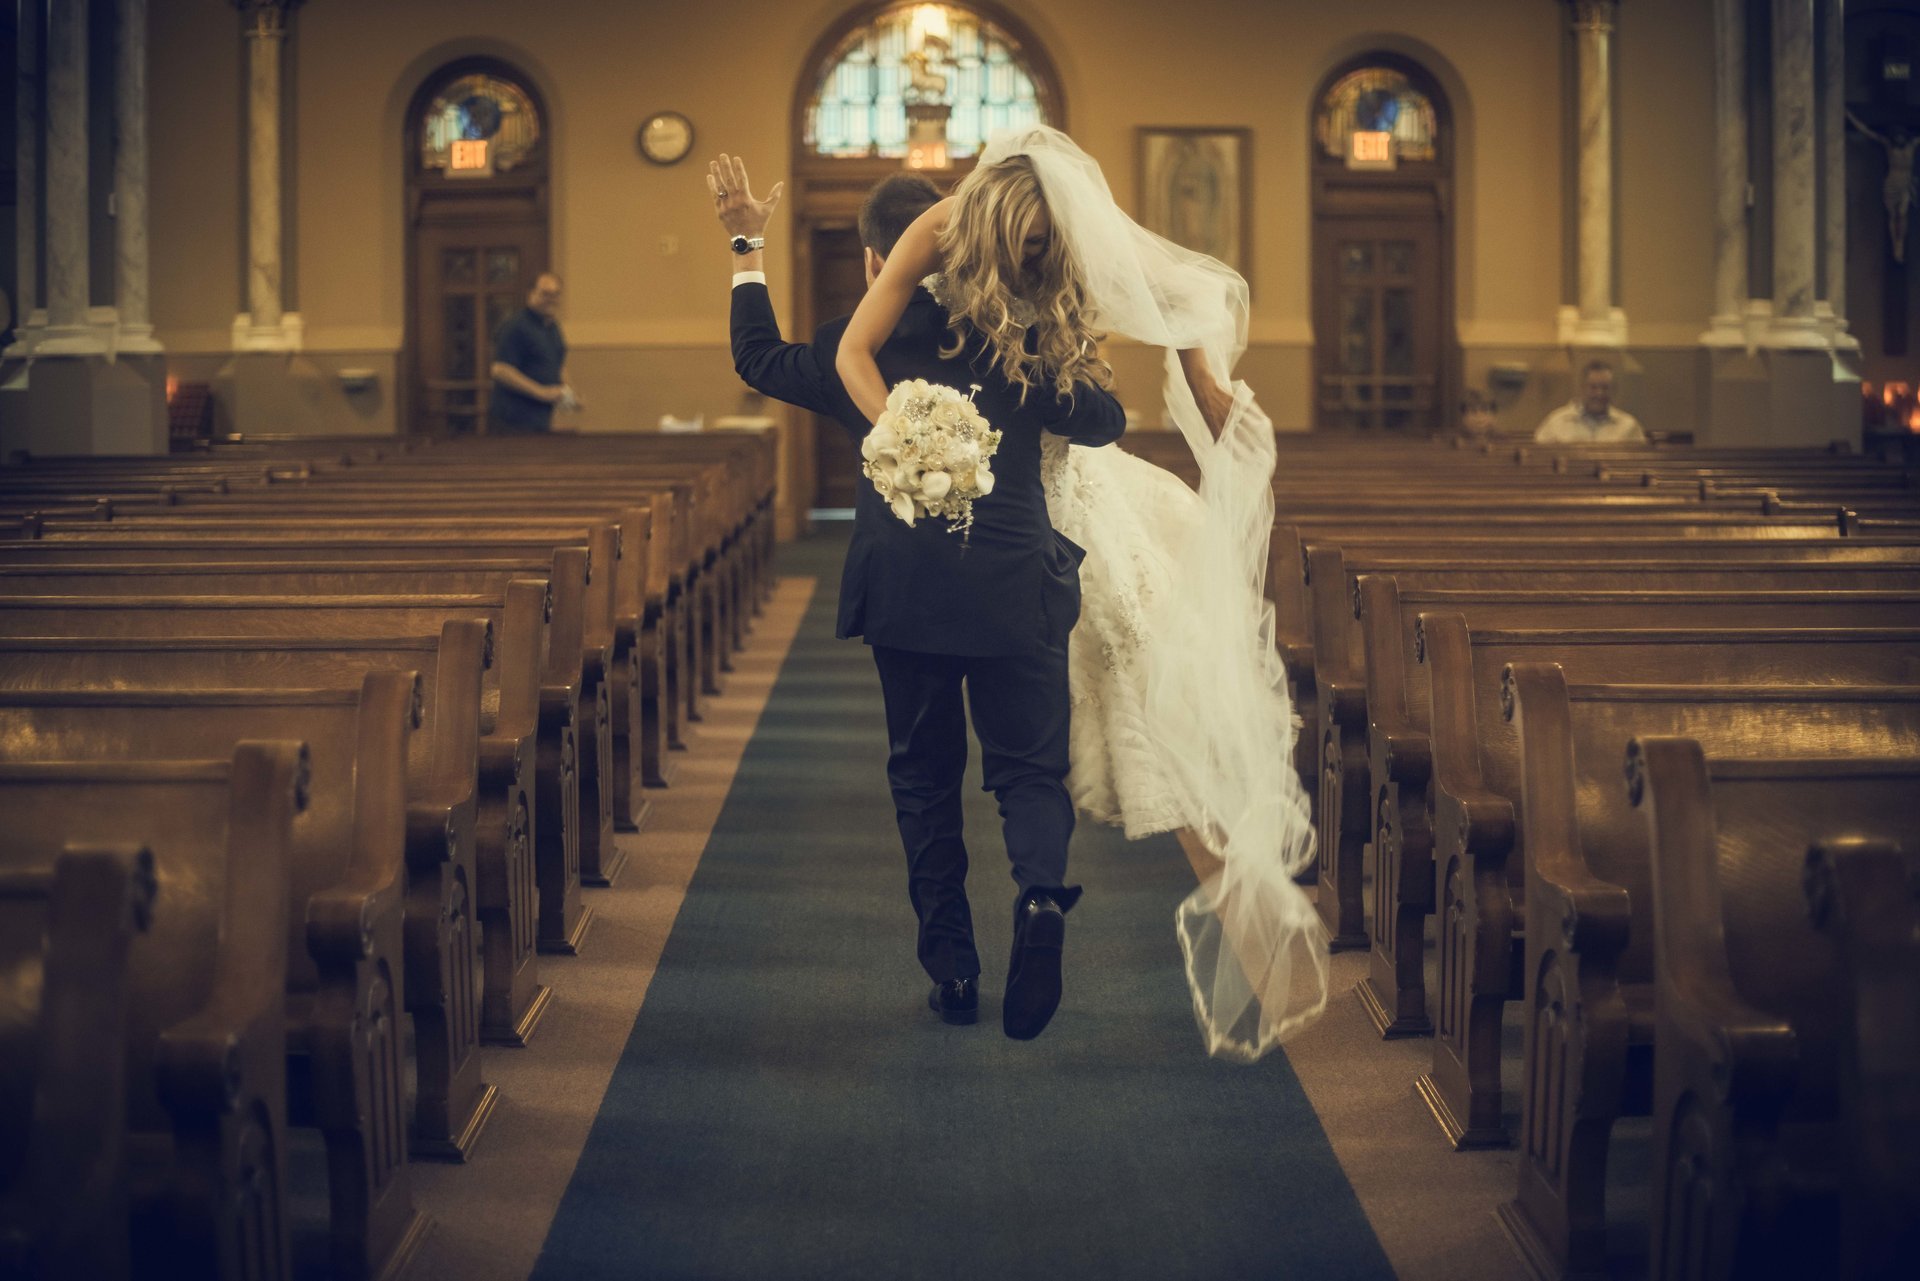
[206, 1056]
[565, 717]
[514, 1001]
[443, 982]
[1399, 767]
[64, 1195]
[1476, 835]
[1598, 1054]
[349, 1044]
[1724, 1070]
[1863, 892]
[1344, 806]
[1575, 1014]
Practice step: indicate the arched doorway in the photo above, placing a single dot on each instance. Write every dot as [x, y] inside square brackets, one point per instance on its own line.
[894, 85]
[1385, 352]
[476, 150]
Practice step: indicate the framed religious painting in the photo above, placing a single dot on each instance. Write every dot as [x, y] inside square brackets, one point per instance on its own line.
[1196, 189]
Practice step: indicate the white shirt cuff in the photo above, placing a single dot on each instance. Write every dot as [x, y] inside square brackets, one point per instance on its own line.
[749, 278]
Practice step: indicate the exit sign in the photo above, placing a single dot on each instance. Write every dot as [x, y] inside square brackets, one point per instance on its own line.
[1370, 149]
[470, 158]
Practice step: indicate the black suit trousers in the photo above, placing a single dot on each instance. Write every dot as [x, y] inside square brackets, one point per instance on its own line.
[1021, 714]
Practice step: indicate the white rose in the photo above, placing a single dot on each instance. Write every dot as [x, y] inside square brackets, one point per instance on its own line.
[935, 485]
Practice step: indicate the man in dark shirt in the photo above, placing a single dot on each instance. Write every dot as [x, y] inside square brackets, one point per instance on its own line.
[530, 364]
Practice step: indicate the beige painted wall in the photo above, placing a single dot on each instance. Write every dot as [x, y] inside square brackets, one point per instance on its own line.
[645, 267]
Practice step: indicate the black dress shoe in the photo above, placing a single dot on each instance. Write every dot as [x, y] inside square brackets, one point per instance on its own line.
[1033, 975]
[956, 1001]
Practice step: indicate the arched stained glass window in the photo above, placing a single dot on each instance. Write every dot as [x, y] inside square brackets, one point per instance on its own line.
[478, 123]
[1377, 100]
[925, 82]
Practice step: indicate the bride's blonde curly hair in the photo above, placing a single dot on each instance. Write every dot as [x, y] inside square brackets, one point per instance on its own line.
[993, 289]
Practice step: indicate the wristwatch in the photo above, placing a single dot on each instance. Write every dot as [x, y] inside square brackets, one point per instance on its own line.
[745, 245]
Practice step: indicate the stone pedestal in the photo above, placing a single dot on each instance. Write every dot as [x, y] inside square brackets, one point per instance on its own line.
[87, 405]
[1777, 397]
[271, 393]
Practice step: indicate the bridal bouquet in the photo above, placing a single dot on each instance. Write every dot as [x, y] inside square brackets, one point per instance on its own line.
[928, 453]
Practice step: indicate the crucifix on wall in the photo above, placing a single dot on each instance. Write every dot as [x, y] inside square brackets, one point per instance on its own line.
[1897, 196]
[1898, 191]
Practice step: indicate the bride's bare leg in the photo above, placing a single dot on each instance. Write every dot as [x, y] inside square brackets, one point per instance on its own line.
[1205, 861]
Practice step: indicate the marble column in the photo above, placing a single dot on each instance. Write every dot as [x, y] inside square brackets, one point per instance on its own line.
[1597, 323]
[70, 330]
[130, 182]
[29, 315]
[1731, 288]
[266, 326]
[1794, 187]
[1831, 307]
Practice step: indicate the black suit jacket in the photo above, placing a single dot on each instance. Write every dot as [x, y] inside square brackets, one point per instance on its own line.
[1014, 583]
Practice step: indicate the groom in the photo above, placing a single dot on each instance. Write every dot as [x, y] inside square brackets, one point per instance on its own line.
[991, 613]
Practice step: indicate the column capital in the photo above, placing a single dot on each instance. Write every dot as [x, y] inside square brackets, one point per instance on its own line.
[267, 19]
[1593, 15]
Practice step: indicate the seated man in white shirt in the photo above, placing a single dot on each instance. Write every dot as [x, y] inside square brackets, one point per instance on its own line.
[1591, 419]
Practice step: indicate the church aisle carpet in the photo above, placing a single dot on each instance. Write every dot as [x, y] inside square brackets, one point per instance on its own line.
[493, 1212]
[786, 1106]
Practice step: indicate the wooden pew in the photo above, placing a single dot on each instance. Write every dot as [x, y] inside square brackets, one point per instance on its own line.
[443, 994]
[344, 973]
[1345, 787]
[1447, 837]
[512, 1001]
[1289, 580]
[1780, 1112]
[159, 1146]
[1346, 645]
[563, 713]
[1364, 552]
[644, 694]
[593, 533]
[1589, 970]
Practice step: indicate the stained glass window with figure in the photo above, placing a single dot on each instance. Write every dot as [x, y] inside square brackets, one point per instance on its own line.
[919, 77]
[478, 123]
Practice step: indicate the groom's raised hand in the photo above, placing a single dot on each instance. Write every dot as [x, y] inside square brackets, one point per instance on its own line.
[739, 213]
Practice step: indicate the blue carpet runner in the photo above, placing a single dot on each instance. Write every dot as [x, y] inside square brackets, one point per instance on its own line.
[787, 1106]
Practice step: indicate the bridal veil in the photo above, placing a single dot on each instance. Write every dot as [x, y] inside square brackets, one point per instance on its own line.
[1215, 699]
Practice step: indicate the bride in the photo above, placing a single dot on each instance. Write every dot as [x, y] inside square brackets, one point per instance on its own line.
[1180, 715]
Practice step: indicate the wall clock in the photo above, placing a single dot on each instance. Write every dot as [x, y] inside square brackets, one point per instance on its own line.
[666, 137]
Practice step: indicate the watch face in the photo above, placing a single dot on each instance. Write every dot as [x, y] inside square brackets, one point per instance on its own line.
[666, 137]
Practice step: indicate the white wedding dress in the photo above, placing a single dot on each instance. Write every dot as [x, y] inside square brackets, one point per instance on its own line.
[1180, 713]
